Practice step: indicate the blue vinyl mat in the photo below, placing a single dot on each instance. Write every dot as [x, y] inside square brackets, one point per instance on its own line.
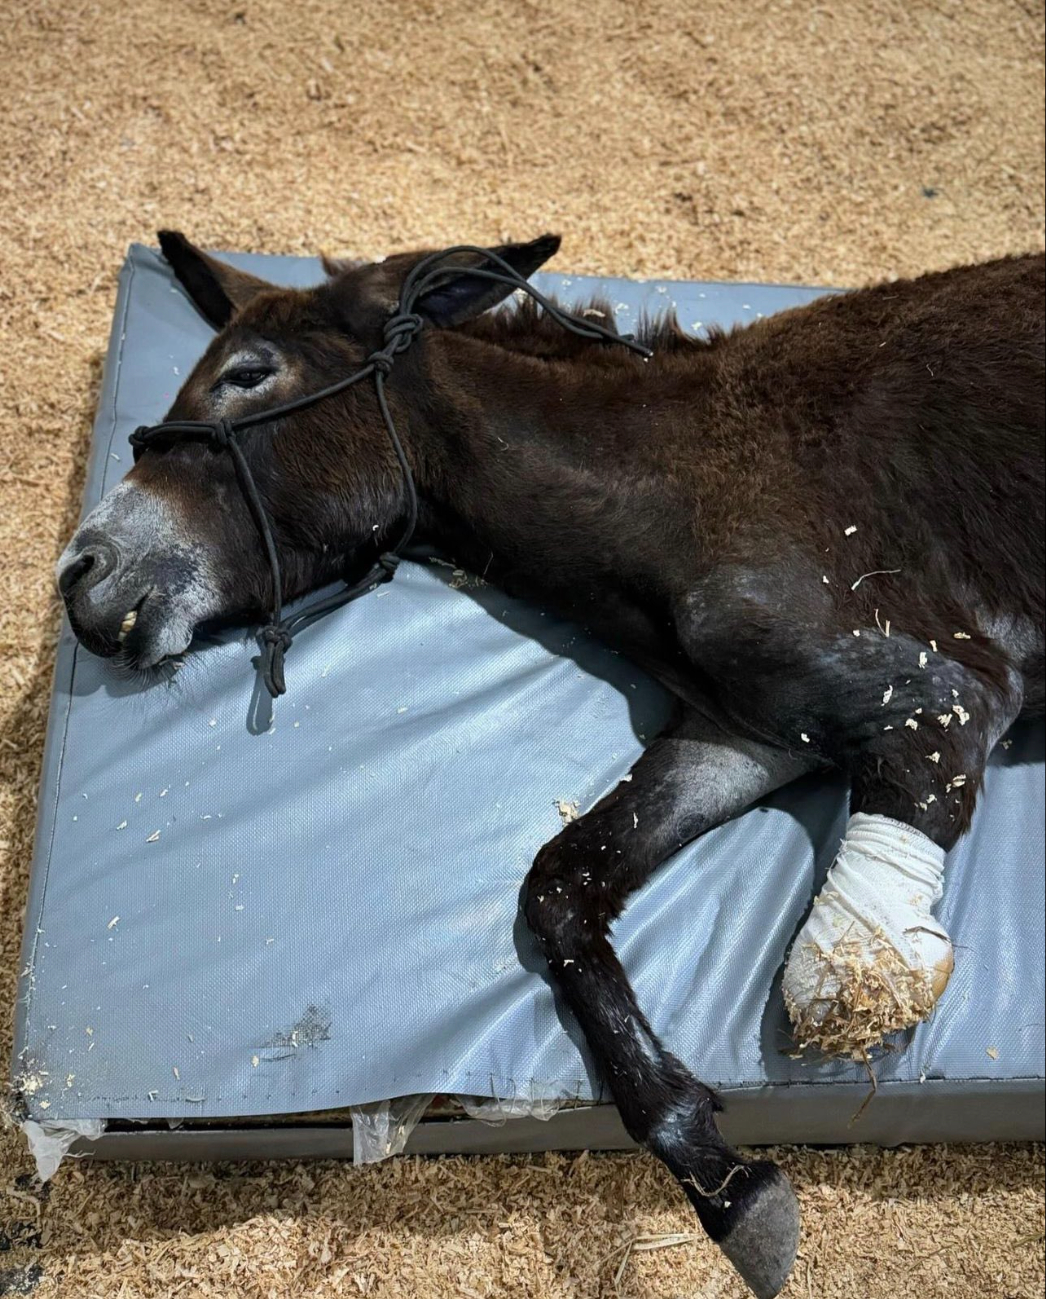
[229, 919]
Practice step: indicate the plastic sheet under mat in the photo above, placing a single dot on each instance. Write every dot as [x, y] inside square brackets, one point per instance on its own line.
[328, 916]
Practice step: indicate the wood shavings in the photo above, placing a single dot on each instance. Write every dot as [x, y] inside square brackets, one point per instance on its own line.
[153, 837]
[870, 1000]
[568, 810]
[876, 572]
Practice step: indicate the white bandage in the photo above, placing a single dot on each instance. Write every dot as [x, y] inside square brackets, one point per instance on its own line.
[871, 959]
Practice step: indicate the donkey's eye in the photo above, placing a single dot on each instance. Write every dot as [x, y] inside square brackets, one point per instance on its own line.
[246, 376]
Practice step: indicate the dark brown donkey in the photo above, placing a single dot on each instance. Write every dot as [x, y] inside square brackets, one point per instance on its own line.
[741, 515]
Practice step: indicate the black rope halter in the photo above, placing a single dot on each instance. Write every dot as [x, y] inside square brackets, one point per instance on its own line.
[399, 332]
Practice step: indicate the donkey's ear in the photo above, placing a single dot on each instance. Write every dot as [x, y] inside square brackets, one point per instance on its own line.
[216, 288]
[464, 296]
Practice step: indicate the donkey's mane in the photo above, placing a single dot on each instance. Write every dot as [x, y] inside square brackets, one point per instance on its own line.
[526, 327]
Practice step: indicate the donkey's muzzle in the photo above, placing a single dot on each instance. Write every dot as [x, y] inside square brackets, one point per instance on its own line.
[86, 568]
[101, 598]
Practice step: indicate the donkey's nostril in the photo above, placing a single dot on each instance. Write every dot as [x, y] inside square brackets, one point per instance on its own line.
[74, 571]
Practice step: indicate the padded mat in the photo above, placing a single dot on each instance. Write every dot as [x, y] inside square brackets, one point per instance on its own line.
[229, 918]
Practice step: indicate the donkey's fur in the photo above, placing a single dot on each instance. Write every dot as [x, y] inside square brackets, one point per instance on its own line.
[813, 530]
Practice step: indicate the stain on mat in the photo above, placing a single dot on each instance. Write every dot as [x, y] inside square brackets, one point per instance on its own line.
[311, 1029]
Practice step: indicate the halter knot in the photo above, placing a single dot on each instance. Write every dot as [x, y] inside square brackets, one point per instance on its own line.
[223, 433]
[401, 328]
[276, 640]
[277, 634]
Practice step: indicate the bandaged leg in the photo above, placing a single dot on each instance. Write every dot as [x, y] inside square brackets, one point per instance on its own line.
[871, 959]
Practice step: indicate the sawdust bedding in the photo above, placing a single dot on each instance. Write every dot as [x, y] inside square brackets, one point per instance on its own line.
[764, 141]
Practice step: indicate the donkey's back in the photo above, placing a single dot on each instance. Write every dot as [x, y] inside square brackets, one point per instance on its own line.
[895, 430]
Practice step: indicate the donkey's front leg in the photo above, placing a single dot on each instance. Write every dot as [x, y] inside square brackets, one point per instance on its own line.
[691, 779]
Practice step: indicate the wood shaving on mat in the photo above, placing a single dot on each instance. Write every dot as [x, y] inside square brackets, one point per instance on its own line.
[661, 140]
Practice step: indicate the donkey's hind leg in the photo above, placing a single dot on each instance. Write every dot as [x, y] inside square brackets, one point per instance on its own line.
[872, 959]
[689, 780]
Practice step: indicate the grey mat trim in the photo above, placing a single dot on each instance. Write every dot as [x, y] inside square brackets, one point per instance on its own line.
[912, 1113]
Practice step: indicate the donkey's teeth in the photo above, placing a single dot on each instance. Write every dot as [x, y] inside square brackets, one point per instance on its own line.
[129, 619]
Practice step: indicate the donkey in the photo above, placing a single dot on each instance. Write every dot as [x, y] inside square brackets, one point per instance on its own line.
[823, 533]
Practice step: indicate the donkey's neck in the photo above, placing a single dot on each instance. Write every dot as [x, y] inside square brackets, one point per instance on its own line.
[531, 471]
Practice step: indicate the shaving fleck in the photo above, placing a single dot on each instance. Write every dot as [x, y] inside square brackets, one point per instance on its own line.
[568, 810]
[876, 572]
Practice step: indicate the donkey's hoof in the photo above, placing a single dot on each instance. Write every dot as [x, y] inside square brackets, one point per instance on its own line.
[762, 1230]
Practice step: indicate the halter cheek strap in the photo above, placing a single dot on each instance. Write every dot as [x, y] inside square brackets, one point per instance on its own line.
[400, 330]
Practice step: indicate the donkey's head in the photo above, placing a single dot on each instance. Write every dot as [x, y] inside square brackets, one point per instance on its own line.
[174, 545]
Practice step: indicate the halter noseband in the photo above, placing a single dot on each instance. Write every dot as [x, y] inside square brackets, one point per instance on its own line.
[399, 332]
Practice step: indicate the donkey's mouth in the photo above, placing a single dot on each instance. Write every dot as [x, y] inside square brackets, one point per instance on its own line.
[152, 634]
[125, 639]
[127, 626]
[146, 636]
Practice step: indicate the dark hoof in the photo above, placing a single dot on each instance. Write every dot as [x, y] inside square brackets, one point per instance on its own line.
[751, 1213]
[762, 1235]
